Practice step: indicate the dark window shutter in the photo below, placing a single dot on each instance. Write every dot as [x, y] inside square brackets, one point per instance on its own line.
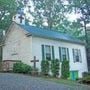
[43, 55]
[60, 53]
[80, 57]
[73, 55]
[68, 54]
[53, 56]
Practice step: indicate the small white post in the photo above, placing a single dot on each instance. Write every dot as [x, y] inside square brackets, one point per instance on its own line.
[4, 32]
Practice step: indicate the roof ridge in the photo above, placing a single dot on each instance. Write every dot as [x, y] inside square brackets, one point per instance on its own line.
[50, 33]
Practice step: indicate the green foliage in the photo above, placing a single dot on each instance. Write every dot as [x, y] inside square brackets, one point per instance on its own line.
[82, 8]
[85, 74]
[55, 67]
[20, 67]
[65, 69]
[45, 67]
[53, 12]
[0, 65]
[85, 80]
[0, 54]
[8, 8]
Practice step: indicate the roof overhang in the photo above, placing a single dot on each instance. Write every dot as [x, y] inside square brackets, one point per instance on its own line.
[81, 43]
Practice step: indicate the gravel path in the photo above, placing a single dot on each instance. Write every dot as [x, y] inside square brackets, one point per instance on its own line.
[22, 82]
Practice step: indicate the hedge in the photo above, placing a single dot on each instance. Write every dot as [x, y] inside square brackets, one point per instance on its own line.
[55, 67]
[20, 67]
[65, 69]
[45, 67]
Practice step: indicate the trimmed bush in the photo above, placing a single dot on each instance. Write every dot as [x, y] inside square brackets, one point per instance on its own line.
[45, 67]
[55, 67]
[65, 69]
[86, 74]
[20, 67]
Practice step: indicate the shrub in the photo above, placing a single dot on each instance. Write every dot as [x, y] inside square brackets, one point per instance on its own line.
[21, 68]
[55, 67]
[65, 69]
[86, 80]
[26, 68]
[45, 67]
[86, 74]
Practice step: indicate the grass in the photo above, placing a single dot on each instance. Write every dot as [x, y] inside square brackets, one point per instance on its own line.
[61, 81]
[74, 85]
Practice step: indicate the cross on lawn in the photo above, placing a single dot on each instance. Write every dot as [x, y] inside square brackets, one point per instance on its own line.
[21, 18]
[34, 62]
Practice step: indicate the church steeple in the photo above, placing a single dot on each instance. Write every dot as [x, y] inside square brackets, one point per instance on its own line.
[19, 17]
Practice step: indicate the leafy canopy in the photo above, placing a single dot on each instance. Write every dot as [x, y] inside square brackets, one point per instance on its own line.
[82, 7]
[52, 14]
[7, 9]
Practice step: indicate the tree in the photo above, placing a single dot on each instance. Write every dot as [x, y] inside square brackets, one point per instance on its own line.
[7, 9]
[49, 11]
[81, 7]
[75, 29]
[52, 14]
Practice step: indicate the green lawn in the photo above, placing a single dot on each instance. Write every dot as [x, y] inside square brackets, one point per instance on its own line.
[72, 84]
[61, 81]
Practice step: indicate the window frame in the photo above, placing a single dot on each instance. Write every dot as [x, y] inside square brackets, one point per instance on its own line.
[77, 53]
[61, 53]
[49, 53]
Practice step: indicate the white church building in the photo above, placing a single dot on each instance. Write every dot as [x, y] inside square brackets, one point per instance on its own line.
[23, 42]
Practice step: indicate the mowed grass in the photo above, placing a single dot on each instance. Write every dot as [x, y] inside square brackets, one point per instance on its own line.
[74, 85]
[61, 81]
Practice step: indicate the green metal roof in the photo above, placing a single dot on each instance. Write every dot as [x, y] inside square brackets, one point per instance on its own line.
[52, 34]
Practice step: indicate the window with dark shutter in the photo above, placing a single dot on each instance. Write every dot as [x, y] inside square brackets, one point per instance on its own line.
[80, 58]
[60, 53]
[43, 55]
[53, 56]
[68, 54]
[47, 52]
[76, 55]
[63, 53]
